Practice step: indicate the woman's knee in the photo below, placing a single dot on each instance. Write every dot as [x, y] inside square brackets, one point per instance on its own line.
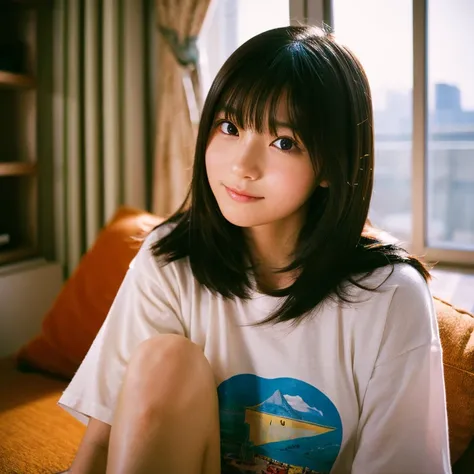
[168, 405]
[171, 371]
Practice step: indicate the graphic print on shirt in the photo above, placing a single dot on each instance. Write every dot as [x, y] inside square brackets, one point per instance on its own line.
[276, 426]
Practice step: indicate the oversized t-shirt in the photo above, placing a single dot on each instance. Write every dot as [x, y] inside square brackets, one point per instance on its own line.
[354, 388]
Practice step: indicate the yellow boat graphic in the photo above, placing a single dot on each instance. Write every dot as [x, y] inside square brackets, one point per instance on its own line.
[269, 428]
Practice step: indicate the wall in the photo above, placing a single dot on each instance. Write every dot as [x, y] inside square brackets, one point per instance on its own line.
[27, 291]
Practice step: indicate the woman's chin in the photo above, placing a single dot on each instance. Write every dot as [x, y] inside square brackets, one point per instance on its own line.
[243, 218]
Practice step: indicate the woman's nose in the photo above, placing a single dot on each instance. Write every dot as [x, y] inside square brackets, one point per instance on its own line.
[248, 162]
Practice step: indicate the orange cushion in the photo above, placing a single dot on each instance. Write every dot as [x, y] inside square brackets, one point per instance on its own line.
[71, 325]
[456, 328]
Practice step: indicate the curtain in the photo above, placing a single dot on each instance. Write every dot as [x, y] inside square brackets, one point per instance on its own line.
[178, 100]
[100, 131]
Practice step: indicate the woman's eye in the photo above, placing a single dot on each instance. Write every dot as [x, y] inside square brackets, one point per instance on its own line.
[228, 128]
[285, 144]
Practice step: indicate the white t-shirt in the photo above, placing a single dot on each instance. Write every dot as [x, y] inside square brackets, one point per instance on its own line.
[358, 388]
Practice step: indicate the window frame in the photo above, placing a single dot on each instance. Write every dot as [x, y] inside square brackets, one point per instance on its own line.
[420, 146]
[418, 244]
[310, 12]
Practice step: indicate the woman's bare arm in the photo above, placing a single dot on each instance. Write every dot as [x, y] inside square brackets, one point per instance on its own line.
[91, 457]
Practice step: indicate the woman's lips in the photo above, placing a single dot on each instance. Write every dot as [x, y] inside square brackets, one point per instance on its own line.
[241, 197]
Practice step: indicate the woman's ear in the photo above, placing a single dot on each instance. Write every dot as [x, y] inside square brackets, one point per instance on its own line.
[324, 184]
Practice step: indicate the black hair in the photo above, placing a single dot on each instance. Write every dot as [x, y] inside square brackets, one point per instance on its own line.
[329, 101]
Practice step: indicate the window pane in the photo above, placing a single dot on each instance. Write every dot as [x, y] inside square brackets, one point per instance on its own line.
[450, 157]
[230, 23]
[380, 34]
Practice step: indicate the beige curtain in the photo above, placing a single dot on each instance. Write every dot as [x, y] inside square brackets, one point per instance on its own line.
[178, 100]
[99, 118]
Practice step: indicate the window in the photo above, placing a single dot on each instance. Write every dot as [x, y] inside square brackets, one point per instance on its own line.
[450, 132]
[380, 34]
[229, 24]
[417, 58]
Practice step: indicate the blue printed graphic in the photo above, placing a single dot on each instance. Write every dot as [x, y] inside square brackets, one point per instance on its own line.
[277, 426]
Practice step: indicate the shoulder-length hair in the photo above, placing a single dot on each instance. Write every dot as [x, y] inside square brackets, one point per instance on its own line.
[329, 105]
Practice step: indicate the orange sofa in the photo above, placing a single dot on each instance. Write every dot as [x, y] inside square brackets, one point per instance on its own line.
[36, 436]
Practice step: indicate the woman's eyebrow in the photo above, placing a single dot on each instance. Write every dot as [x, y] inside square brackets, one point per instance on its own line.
[285, 125]
[225, 109]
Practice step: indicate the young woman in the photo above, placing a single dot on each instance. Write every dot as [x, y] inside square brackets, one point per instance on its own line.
[266, 307]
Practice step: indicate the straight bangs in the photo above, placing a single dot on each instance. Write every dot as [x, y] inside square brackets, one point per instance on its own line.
[250, 99]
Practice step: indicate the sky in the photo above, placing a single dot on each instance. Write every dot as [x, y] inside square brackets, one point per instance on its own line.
[380, 33]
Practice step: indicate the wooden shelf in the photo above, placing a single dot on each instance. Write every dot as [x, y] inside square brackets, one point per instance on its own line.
[17, 169]
[10, 80]
[16, 254]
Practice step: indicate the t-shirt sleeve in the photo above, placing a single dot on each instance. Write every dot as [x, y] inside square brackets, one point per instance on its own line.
[403, 423]
[146, 304]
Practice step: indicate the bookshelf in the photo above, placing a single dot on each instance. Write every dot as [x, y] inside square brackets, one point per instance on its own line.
[17, 169]
[18, 119]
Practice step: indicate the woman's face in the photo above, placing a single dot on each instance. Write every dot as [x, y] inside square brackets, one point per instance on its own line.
[259, 178]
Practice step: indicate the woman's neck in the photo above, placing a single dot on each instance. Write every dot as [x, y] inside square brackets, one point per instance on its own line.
[272, 248]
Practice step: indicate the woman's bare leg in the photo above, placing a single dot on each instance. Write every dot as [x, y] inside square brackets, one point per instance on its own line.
[167, 418]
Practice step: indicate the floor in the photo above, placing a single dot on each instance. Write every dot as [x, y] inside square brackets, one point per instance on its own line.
[455, 287]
